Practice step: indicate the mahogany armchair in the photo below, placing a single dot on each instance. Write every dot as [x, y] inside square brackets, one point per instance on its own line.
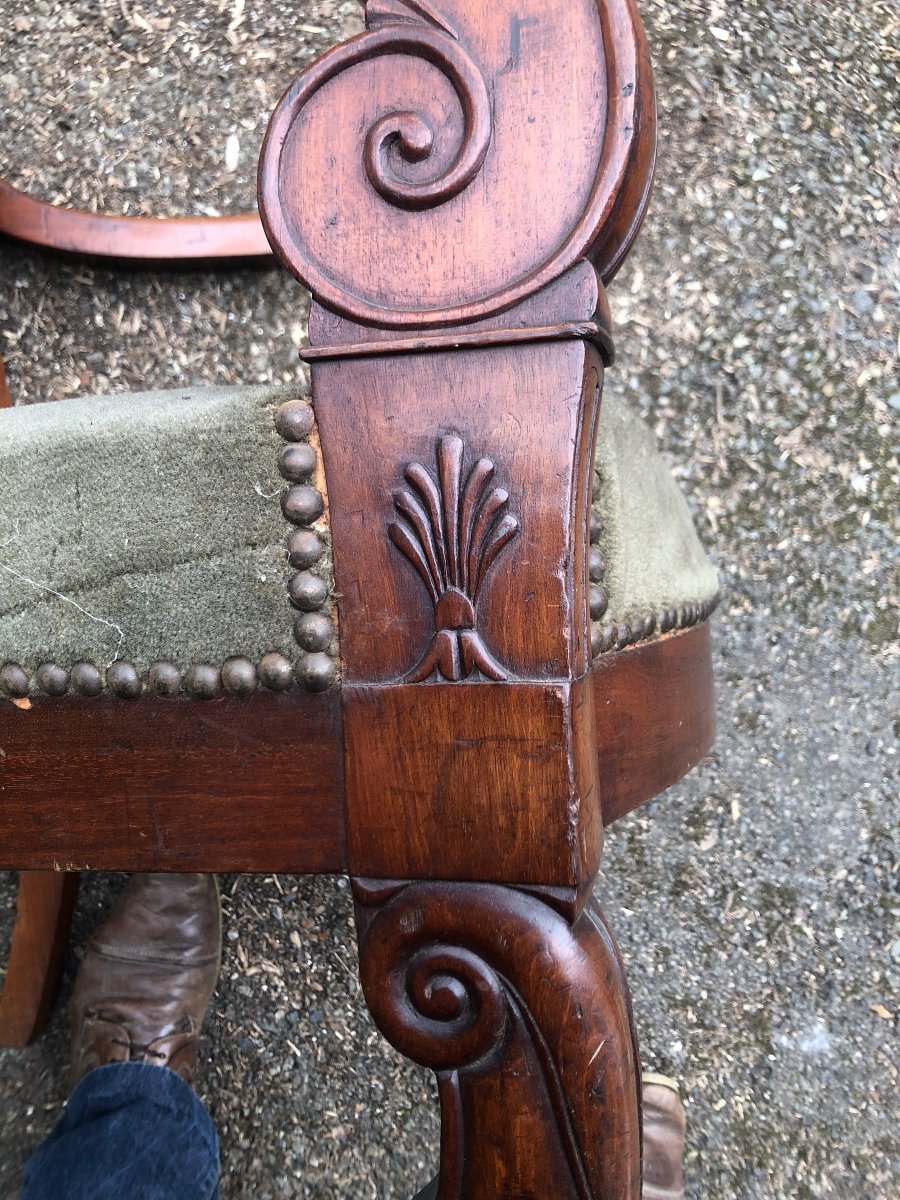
[487, 635]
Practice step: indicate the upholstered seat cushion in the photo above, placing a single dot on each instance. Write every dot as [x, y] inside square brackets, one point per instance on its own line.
[146, 529]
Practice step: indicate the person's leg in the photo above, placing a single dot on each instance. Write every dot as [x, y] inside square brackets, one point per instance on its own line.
[129, 1130]
[133, 1131]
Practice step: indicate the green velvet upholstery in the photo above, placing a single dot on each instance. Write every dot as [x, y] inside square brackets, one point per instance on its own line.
[156, 516]
[147, 527]
[654, 559]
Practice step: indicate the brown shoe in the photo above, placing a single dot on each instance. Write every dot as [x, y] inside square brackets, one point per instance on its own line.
[148, 975]
[664, 1128]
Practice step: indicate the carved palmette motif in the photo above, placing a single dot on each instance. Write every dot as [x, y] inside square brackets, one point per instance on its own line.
[452, 531]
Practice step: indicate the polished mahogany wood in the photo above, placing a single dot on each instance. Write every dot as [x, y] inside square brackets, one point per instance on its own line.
[44, 908]
[525, 1019]
[537, 454]
[485, 149]
[573, 306]
[491, 408]
[653, 705]
[251, 784]
[459, 558]
[102, 235]
[456, 185]
[655, 710]
[511, 796]
[493, 158]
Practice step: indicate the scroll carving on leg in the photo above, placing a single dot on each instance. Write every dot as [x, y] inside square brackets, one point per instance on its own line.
[526, 1022]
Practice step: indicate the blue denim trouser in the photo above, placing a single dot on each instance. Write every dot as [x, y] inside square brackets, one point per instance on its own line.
[130, 1132]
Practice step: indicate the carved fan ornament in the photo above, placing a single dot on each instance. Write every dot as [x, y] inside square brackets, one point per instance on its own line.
[451, 533]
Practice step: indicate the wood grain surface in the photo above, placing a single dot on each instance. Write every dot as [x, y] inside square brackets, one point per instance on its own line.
[44, 907]
[64, 762]
[526, 1022]
[129, 239]
[487, 150]
[510, 796]
[439, 206]
[251, 784]
[529, 410]
[655, 711]
[455, 185]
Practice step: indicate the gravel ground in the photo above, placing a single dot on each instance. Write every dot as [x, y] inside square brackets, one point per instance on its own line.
[755, 902]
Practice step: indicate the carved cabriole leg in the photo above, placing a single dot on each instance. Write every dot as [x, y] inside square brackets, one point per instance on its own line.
[525, 1020]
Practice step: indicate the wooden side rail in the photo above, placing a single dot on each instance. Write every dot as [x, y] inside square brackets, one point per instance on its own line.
[258, 783]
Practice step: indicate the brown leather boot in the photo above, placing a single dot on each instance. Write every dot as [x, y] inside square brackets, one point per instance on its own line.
[148, 975]
[664, 1128]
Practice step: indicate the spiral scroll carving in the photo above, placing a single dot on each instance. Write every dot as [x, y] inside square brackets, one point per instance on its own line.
[409, 134]
[439, 1002]
[404, 133]
[442, 165]
[444, 1005]
[517, 1011]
